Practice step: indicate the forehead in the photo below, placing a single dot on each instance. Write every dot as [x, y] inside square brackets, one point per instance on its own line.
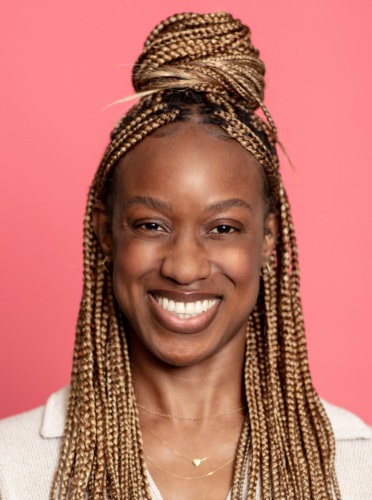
[189, 159]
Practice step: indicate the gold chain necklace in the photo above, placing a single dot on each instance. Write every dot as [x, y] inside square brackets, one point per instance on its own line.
[177, 417]
[195, 461]
[188, 477]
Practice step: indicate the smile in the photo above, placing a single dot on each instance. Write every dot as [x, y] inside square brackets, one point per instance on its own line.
[185, 310]
[178, 315]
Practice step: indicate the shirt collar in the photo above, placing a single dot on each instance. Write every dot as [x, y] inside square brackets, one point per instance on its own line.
[345, 424]
[54, 417]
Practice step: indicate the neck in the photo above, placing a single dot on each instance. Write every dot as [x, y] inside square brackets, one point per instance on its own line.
[203, 389]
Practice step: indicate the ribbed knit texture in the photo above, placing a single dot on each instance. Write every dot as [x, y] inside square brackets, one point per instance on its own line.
[30, 443]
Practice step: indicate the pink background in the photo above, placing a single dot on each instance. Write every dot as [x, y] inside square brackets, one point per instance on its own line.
[63, 62]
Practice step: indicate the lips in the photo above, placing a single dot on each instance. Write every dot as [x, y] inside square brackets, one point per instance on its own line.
[184, 312]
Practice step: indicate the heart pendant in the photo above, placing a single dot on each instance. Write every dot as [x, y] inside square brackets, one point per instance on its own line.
[196, 462]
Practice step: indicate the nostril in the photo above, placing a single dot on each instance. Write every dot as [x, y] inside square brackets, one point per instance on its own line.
[185, 269]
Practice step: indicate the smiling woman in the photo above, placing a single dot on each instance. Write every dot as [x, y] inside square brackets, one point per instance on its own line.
[188, 229]
[190, 357]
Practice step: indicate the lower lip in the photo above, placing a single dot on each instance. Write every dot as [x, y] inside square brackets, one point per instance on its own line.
[175, 324]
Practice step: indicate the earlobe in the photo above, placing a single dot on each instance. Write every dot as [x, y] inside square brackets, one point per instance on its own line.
[270, 237]
[102, 227]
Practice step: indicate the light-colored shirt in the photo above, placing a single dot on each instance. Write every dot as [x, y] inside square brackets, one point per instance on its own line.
[30, 444]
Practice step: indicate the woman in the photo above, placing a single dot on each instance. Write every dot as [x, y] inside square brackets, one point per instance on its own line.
[190, 377]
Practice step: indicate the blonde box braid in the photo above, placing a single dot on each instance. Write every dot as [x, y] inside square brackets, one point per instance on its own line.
[200, 67]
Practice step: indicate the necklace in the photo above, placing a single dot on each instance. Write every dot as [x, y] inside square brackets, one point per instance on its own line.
[177, 417]
[195, 461]
[188, 477]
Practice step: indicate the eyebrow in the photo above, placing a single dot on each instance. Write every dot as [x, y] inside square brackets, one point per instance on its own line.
[156, 204]
[147, 201]
[220, 206]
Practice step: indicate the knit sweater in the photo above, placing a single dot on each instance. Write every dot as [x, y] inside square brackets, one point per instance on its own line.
[30, 443]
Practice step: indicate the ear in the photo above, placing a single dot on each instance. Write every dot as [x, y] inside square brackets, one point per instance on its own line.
[270, 237]
[102, 227]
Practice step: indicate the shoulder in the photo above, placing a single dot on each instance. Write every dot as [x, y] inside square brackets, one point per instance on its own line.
[353, 453]
[346, 425]
[29, 449]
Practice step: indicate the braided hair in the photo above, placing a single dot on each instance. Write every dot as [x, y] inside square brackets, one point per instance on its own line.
[203, 66]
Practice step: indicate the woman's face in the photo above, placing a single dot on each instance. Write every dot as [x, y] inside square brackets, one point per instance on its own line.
[188, 240]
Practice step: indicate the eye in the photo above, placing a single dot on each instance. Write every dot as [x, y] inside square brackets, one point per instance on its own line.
[223, 229]
[150, 226]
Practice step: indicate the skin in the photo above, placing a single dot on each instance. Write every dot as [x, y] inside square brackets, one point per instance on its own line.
[189, 221]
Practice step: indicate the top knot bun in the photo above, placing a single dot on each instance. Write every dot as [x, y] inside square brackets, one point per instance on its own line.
[206, 52]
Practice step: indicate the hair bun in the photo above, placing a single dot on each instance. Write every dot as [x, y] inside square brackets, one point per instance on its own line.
[207, 52]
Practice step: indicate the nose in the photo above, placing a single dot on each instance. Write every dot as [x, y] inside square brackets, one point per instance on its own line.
[186, 261]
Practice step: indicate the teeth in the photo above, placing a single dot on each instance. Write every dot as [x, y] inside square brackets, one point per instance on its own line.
[179, 307]
[185, 310]
[190, 308]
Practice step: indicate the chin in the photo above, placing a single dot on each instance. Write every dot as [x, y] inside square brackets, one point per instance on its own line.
[193, 350]
[183, 360]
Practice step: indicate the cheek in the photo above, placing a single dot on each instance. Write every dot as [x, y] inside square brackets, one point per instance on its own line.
[241, 265]
[131, 261]
[242, 268]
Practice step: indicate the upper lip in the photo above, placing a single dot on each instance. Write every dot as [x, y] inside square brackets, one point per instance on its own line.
[179, 296]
